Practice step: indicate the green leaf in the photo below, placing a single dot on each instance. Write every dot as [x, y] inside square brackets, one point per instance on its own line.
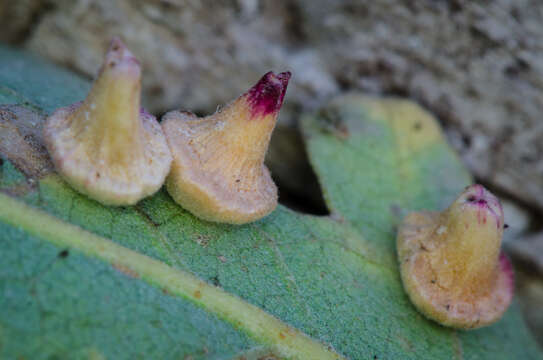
[377, 159]
[81, 280]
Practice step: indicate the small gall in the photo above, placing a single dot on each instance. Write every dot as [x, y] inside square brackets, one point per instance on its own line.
[461, 279]
[106, 147]
[218, 170]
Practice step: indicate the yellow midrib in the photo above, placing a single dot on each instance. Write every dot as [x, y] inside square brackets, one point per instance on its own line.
[288, 342]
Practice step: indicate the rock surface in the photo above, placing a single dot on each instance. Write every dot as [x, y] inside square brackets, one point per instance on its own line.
[477, 67]
[529, 251]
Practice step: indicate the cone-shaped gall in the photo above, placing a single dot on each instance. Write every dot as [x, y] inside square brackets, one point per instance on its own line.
[106, 147]
[218, 170]
[450, 262]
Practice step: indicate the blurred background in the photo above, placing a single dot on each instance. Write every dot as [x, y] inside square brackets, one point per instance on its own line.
[476, 65]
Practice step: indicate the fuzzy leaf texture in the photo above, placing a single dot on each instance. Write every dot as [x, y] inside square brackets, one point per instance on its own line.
[79, 280]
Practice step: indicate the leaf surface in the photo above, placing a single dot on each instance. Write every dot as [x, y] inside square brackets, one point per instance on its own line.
[81, 280]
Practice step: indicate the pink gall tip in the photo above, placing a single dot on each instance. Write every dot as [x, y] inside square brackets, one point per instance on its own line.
[477, 195]
[266, 97]
[121, 60]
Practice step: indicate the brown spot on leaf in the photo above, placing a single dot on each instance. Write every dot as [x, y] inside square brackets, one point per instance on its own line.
[197, 294]
[126, 270]
[202, 240]
[63, 254]
[332, 122]
[282, 336]
[21, 140]
[215, 280]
